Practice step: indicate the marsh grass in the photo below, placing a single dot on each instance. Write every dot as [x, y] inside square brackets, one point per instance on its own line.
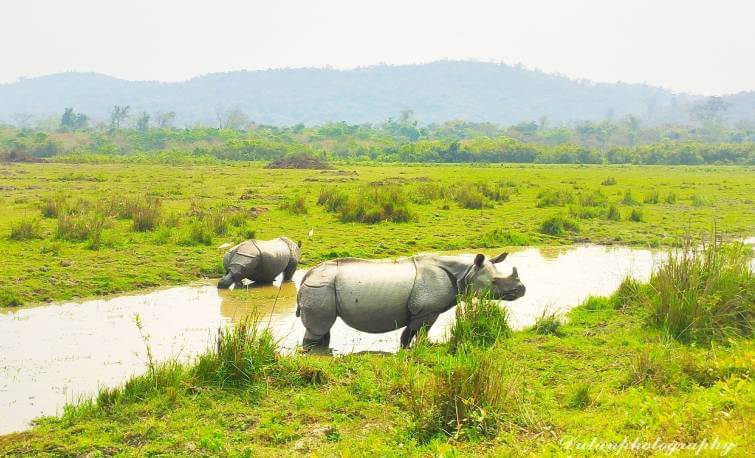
[81, 227]
[500, 237]
[628, 198]
[610, 181]
[470, 198]
[613, 213]
[470, 396]
[636, 215]
[145, 213]
[52, 207]
[242, 354]
[25, 229]
[554, 198]
[480, 322]
[9, 298]
[704, 292]
[558, 225]
[580, 398]
[651, 197]
[295, 205]
[549, 323]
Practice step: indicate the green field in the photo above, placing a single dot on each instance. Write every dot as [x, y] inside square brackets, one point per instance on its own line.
[69, 230]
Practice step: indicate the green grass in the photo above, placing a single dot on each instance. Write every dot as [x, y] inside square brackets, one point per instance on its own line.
[99, 248]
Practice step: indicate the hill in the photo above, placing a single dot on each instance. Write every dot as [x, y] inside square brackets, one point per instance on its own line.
[437, 92]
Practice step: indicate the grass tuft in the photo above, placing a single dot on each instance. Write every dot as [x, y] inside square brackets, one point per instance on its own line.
[558, 225]
[480, 322]
[25, 229]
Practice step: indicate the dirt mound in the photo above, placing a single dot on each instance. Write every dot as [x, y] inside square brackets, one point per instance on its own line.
[298, 161]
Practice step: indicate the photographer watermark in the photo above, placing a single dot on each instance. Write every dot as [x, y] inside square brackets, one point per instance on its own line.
[722, 448]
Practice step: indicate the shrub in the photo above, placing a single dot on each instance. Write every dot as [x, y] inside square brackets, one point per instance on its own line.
[469, 396]
[548, 324]
[704, 293]
[9, 298]
[53, 206]
[636, 215]
[551, 198]
[652, 198]
[146, 214]
[296, 205]
[479, 322]
[580, 399]
[332, 199]
[78, 228]
[26, 229]
[557, 225]
[242, 354]
[610, 181]
[628, 198]
[469, 198]
[376, 204]
[613, 213]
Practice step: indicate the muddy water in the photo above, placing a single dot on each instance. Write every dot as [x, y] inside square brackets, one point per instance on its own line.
[53, 354]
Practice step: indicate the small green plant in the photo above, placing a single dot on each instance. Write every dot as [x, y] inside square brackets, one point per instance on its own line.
[636, 215]
[296, 205]
[548, 324]
[652, 197]
[52, 207]
[197, 233]
[79, 228]
[376, 204]
[580, 398]
[698, 200]
[610, 181]
[704, 293]
[671, 198]
[613, 213]
[554, 198]
[470, 198]
[480, 321]
[628, 198]
[558, 225]
[9, 298]
[25, 229]
[146, 214]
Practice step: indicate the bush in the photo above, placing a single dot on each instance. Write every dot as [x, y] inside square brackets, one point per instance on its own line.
[52, 207]
[470, 198]
[78, 228]
[636, 215]
[704, 293]
[26, 229]
[628, 199]
[9, 298]
[613, 213]
[548, 324]
[243, 354]
[296, 205]
[652, 198]
[376, 204]
[558, 225]
[146, 214]
[479, 322]
[550, 198]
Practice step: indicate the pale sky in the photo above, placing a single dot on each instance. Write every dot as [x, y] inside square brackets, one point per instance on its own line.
[705, 47]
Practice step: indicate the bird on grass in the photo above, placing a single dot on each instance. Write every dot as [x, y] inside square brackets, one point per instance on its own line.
[311, 233]
[246, 282]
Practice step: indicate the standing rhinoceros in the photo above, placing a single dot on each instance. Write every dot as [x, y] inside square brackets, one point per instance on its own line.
[260, 261]
[381, 296]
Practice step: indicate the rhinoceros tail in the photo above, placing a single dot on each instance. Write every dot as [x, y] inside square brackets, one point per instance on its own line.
[298, 312]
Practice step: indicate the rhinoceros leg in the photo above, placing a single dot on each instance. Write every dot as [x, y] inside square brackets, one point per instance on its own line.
[288, 274]
[415, 324]
[317, 308]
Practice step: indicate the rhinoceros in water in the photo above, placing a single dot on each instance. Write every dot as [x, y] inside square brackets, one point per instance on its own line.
[260, 261]
[384, 295]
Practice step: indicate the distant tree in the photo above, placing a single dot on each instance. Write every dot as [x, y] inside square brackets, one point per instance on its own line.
[711, 111]
[118, 115]
[73, 121]
[220, 116]
[236, 119]
[165, 119]
[21, 119]
[543, 122]
[142, 122]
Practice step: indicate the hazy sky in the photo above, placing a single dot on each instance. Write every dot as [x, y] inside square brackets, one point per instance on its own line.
[697, 46]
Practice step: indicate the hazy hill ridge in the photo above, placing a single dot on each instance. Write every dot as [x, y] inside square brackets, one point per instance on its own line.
[437, 92]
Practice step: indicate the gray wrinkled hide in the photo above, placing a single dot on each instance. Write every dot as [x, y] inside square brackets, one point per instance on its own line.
[377, 296]
[262, 260]
[381, 296]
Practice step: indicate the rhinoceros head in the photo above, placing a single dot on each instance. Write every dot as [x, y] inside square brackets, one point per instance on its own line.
[483, 276]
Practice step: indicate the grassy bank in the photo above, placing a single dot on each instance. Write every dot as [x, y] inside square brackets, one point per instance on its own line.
[615, 368]
[78, 230]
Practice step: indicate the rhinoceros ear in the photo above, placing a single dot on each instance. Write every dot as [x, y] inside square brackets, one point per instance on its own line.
[479, 259]
[298, 243]
[499, 258]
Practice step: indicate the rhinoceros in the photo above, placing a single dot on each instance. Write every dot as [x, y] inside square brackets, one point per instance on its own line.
[384, 295]
[260, 261]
